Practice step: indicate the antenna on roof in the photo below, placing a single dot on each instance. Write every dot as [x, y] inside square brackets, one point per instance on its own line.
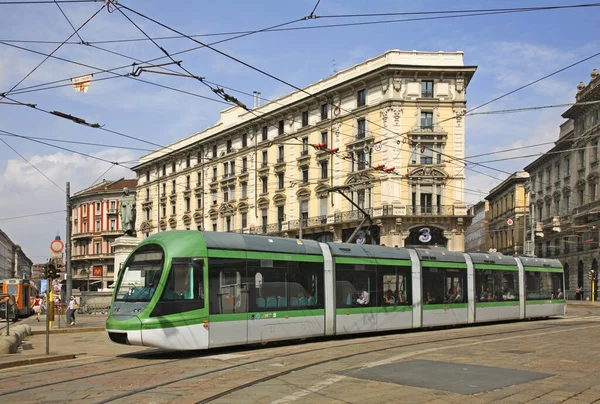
[334, 66]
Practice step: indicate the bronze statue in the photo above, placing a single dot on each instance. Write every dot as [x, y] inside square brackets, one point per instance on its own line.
[127, 213]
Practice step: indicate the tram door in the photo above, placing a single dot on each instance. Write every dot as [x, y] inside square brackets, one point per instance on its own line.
[229, 305]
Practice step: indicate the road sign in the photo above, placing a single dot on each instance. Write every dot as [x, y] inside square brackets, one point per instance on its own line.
[55, 254]
[56, 246]
[492, 250]
[509, 222]
[378, 146]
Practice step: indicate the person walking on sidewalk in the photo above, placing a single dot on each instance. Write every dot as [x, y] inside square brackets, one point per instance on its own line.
[37, 306]
[71, 311]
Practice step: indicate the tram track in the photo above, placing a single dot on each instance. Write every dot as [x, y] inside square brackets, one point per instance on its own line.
[312, 364]
[387, 338]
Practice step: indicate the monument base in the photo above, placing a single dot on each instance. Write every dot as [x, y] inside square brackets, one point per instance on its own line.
[123, 246]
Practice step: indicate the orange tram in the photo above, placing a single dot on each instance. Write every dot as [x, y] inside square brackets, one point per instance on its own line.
[24, 291]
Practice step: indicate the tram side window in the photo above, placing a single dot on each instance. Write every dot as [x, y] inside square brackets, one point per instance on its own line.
[356, 285]
[496, 285]
[228, 286]
[285, 285]
[184, 290]
[394, 285]
[444, 286]
[543, 286]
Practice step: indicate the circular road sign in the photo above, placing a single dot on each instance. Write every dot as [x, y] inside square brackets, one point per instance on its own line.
[57, 246]
[509, 222]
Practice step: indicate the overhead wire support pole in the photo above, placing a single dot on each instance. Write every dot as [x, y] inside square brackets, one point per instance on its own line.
[366, 215]
[69, 275]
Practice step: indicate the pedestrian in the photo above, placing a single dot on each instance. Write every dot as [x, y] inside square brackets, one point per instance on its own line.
[37, 307]
[71, 311]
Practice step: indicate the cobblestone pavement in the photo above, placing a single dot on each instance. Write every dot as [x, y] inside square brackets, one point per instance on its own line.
[563, 354]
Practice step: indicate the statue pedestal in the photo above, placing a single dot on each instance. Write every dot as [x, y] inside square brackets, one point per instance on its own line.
[123, 246]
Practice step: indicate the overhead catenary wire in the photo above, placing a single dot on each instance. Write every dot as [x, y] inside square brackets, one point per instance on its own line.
[241, 35]
[59, 147]
[286, 82]
[32, 165]
[32, 215]
[52, 53]
[82, 143]
[69, 21]
[37, 108]
[464, 13]
[486, 167]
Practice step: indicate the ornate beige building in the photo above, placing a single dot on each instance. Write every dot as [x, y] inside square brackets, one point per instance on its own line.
[476, 236]
[268, 170]
[507, 215]
[564, 192]
[95, 224]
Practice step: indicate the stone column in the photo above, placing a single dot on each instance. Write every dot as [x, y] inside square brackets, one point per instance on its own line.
[123, 246]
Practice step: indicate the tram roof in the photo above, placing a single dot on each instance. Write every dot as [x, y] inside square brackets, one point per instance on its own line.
[367, 251]
[540, 262]
[249, 242]
[493, 258]
[439, 254]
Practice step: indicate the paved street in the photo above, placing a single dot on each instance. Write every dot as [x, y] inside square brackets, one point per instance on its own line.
[555, 360]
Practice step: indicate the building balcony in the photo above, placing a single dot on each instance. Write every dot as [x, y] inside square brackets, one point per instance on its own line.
[111, 211]
[433, 129]
[92, 257]
[353, 217]
[264, 167]
[83, 235]
[112, 233]
[360, 141]
[430, 210]
[146, 203]
[586, 213]
[551, 224]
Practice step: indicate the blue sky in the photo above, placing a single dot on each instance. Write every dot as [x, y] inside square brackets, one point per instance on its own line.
[509, 50]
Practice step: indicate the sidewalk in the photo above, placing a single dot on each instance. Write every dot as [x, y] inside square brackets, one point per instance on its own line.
[583, 303]
[66, 342]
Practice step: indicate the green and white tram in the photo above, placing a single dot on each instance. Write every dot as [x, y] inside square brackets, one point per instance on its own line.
[198, 290]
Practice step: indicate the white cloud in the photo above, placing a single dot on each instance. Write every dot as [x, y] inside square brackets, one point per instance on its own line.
[25, 191]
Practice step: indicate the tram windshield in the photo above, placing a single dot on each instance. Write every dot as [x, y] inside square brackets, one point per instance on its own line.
[141, 275]
[12, 290]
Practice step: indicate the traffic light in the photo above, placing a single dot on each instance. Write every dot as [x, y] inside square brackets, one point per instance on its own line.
[50, 271]
[592, 275]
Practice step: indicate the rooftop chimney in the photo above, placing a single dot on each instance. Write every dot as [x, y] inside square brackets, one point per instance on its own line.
[256, 99]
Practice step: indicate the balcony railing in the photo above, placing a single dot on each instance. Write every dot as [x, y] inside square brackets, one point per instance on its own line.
[427, 94]
[430, 210]
[353, 217]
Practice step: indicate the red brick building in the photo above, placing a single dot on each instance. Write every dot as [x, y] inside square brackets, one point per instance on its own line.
[95, 224]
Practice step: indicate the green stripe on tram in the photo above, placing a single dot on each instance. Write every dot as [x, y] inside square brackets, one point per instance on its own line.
[384, 261]
[352, 260]
[444, 306]
[543, 269]
[547, 301]
[266, 315]
[480, 305]
[367, 310]
[443, 264]
[497, 267]
[372, 261]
